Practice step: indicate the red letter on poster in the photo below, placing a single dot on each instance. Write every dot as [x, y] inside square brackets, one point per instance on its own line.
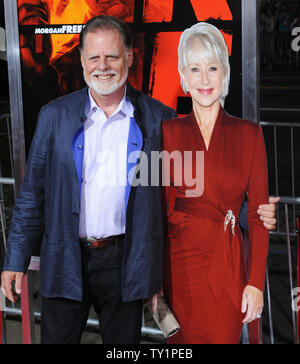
[157, 11]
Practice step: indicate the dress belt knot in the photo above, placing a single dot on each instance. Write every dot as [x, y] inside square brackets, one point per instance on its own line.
[230, 218]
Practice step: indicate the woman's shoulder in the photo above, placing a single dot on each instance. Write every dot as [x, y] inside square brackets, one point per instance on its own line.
[175, 123]
[242, 125]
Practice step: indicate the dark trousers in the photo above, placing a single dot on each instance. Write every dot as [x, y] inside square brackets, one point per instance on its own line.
[63, 320]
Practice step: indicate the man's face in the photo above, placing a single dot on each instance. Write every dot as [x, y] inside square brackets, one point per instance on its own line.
[105, 61]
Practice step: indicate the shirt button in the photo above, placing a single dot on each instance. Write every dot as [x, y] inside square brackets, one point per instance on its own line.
[79, 147]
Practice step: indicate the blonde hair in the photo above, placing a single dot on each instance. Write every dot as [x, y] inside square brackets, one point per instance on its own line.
[213, 48]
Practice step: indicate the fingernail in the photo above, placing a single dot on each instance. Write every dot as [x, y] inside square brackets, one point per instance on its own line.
[18, 291]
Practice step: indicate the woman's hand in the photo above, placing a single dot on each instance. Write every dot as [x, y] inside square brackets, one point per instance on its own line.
[252, 304]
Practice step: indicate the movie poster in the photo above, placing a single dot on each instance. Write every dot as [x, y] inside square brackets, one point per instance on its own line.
[49, 37]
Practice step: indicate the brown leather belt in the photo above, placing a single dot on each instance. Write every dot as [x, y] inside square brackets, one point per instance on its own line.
[94, 243]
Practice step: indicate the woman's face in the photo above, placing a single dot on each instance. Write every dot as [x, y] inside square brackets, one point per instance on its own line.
[204, 82]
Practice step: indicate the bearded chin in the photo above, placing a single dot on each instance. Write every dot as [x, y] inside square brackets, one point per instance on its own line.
[108, 89]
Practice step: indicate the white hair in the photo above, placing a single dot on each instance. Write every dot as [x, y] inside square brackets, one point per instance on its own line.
[212, 47]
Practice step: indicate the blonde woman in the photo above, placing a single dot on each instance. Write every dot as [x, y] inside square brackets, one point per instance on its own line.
[206, 282]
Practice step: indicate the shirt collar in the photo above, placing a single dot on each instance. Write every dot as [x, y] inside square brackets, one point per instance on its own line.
[124, 107]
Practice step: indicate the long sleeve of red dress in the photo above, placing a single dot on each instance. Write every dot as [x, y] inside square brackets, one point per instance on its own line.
[257, 194]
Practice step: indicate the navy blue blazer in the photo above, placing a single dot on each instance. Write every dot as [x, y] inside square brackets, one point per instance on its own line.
[50, 197]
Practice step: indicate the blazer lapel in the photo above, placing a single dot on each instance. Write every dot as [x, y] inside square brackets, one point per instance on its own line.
[135, 144]
[79, 118]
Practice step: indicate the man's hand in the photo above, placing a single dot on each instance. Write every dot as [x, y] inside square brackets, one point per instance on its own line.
[268, 213]
[153, 302]
[7, 279]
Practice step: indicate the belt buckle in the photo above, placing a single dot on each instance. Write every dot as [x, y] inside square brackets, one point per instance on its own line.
[93, 242]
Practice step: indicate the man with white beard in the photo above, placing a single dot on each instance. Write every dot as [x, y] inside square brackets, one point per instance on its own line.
[103, 244]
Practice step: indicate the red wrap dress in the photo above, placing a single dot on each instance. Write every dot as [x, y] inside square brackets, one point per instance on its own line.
[205, 262]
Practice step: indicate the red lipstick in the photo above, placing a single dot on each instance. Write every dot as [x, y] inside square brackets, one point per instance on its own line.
[206, 92]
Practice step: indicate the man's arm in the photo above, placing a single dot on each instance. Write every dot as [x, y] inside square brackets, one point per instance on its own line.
[28, 216]
[267, 214]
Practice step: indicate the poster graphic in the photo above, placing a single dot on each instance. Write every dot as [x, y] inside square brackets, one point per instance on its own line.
[49, 37]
